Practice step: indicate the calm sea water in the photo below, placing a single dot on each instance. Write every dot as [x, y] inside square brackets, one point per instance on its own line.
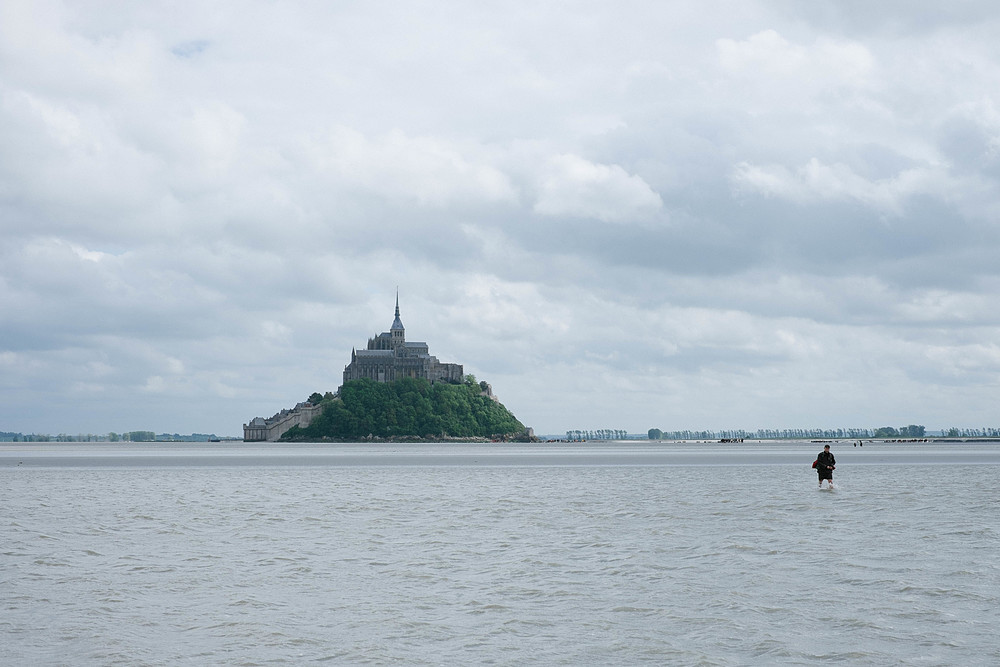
[465, 554]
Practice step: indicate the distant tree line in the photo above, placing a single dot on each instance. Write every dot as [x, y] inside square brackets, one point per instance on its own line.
[599, 434]
[410, 407]
[62, 437]
[128, 436]
[911, 431]
[972, 433]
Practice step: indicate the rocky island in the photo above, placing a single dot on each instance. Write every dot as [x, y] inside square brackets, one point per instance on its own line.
[395, 390]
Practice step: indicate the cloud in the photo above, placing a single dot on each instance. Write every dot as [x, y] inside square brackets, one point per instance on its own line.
[767, 56]
[818, 182]
[426, 170]
[574, 187]
[191, 48]
[649, 215]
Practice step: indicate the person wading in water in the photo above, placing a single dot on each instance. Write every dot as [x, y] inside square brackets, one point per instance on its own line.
[825, 464]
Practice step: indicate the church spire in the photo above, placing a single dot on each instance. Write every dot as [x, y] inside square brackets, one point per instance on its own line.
[397, 330]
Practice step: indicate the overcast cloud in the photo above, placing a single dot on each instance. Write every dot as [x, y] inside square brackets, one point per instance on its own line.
[622, 215]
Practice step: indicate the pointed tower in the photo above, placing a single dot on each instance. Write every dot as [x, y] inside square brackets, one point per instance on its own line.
[397, 330]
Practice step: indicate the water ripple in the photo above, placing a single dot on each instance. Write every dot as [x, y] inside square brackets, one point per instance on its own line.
[496, 565]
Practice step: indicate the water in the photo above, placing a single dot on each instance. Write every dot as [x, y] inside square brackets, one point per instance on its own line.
[566, 554]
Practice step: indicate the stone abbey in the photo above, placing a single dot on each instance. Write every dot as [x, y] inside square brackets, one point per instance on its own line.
[388, 357]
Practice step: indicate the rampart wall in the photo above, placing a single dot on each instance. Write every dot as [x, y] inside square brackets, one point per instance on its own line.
[270, 430]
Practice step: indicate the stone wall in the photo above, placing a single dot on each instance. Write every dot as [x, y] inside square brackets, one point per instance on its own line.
[270, 430]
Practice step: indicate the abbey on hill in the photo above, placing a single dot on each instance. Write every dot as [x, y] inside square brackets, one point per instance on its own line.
[388, 358]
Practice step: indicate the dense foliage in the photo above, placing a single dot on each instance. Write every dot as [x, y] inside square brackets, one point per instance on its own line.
[408, 408]
[911, 431]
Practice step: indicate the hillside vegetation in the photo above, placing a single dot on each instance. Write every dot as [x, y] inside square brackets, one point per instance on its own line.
[409, 408]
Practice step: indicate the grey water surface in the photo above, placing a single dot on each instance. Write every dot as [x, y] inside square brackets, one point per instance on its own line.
[569, 554]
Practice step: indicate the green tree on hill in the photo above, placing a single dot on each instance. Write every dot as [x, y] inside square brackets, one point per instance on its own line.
[409, 407]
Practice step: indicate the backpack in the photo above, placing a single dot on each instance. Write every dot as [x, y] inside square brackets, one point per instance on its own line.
[815, 462]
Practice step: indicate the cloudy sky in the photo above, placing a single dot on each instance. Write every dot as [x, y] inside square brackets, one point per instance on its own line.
[622, 215]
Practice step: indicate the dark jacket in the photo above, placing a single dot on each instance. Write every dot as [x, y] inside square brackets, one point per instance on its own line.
[825, 459]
